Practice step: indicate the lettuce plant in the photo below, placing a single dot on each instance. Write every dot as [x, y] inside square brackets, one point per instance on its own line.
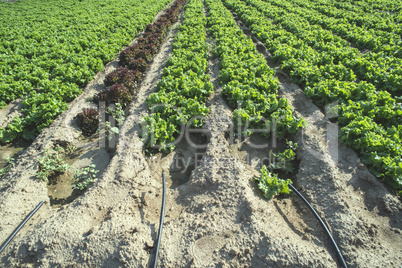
[117, 93]
[88, 121]
[271, 185]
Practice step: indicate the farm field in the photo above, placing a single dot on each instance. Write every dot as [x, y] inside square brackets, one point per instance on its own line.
[233, 100]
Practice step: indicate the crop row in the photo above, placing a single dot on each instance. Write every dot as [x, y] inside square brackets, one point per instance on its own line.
[370, 119]
[346, 12]
[122, 83]
[248, 83]
[314, 58]
[49, 52]
[389, 8]
[184, 87]
[392, 8]
[384, 72]
[362, 37]
[251, 89]
[385, 6]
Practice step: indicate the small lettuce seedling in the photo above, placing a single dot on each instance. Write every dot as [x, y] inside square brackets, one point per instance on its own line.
[271, 185]
[51, 164]
[84, 176]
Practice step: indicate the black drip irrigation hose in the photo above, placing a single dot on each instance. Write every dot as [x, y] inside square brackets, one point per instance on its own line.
[338, 252]
[20, 226]
[160, 221]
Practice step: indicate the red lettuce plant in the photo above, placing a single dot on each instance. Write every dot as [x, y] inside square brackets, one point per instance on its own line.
[129, 78]
[117, 93]
[88, 121]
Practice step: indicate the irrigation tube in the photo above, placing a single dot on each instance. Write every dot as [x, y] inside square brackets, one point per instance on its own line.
[161, 220]
[20, 226]
[338, 252]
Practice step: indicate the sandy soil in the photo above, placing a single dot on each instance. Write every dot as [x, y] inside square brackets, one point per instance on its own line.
[215, 215]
